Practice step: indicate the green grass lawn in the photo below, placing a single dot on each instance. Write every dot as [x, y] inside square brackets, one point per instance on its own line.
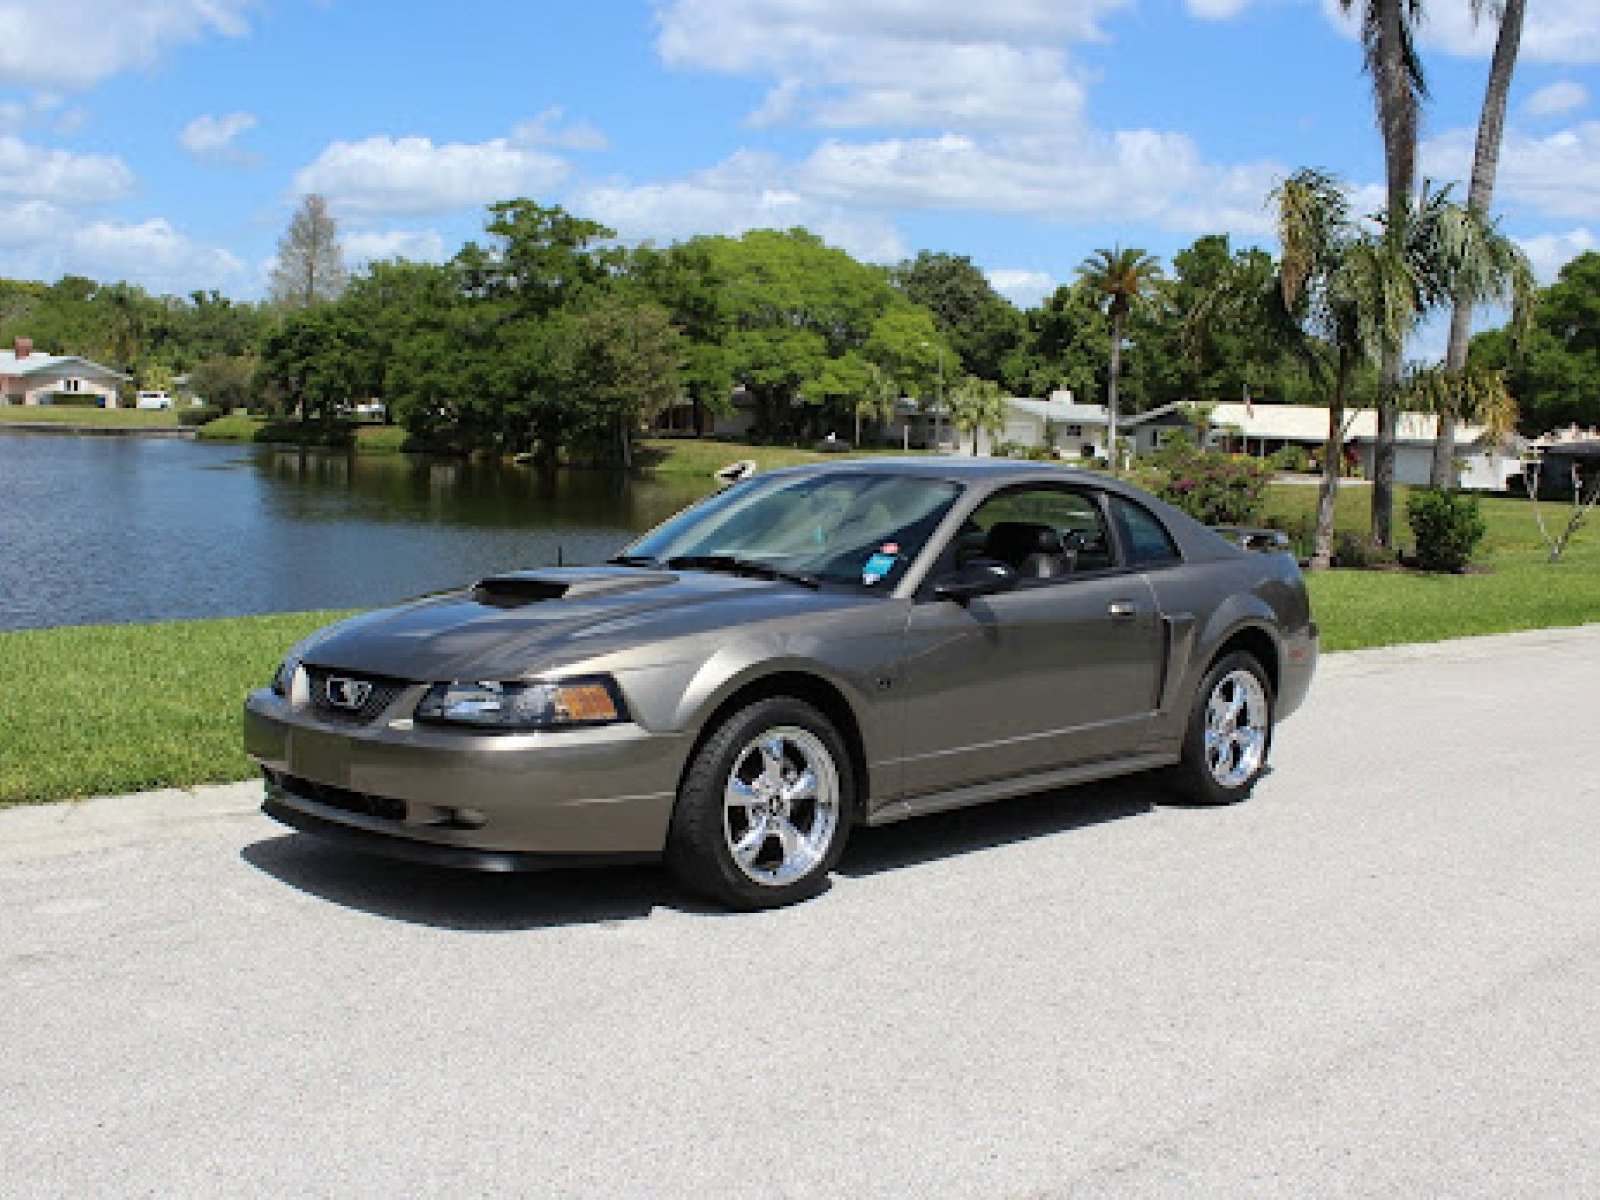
[114, 708]
[1516, 589]
[235, 427]
[97, 418]
[130, 707]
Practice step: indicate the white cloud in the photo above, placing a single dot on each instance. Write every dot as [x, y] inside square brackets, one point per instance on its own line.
[1027, 289]
[372, 245]
[211, 139]
[46, 241]
[988, 108]
[1557, 175]
[737, 36]
[1557, 99]
[29, 172]
[1138, 176]
[76, 43]
[747, 191]
[412, 176]
[549, 130]
[1557, 31]
[1217, 10]
[945, 64]
[1549, 252]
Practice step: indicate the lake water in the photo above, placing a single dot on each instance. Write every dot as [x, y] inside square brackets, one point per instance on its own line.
[100, 530]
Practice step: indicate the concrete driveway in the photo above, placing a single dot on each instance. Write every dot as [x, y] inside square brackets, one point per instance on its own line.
[1378, 977]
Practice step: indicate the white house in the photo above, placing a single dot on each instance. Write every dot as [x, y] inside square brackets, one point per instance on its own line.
[28, 377]
[1260, 429]
[1058, 419]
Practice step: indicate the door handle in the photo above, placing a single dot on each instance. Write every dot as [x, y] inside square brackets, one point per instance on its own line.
[1122, 609]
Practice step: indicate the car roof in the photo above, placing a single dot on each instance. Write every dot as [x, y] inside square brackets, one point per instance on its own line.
[934, 466]
[1196, 540]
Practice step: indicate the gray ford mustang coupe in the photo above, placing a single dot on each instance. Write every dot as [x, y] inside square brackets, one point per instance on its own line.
[809, 650]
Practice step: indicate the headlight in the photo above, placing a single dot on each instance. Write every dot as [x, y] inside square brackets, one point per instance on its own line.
[283, 678]
[567, 705]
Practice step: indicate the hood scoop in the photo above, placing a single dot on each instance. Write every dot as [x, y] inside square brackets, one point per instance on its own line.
[518, 588]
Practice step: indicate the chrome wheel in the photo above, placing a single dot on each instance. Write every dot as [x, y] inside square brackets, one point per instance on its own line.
[780, 806]
[1237, 720]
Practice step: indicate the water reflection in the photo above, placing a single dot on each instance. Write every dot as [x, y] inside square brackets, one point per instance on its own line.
[121, 529]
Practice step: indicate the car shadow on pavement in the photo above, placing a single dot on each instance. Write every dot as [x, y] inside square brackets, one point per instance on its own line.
[488, 903]
[466, 900]
[1001, 823]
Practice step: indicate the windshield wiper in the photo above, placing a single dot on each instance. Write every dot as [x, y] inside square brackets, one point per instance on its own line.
[633, 560]
[735, 565]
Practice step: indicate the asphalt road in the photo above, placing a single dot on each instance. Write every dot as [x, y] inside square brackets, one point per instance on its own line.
[1379, 977]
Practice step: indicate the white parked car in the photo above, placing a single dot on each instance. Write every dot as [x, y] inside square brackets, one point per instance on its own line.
[154, 400]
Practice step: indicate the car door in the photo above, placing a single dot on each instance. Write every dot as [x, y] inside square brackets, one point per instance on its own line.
[1063, 669]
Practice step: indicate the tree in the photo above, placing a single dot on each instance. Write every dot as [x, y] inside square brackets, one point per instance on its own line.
[1398, 89]
[1119, 278]
[618, 363]
[224, 382]
[310, 266]
[877, 400]
[317, 361]
[1340, 286]
[977, 404]
[981, 325]
[1552, 370]
[1485, 163]
[795, 306]
[1363, 290]
[1068, 342]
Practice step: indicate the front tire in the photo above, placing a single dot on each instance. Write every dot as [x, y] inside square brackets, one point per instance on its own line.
[1229, 733]
[764, 811]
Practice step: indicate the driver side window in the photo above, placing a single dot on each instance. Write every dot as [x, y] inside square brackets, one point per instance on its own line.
[1042, 533]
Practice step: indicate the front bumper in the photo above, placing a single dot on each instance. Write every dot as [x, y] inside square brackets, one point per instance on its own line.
[485, 800]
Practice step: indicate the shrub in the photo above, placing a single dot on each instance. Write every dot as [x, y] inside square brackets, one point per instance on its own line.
[1294, 459]
[1353, 550]
[1218, 489]
[1448, 527]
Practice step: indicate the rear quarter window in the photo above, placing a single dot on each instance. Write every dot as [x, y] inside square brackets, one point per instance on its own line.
[1149, 543]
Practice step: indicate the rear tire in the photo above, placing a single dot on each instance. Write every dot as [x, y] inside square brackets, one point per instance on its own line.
[1229, 734]
[764, 811]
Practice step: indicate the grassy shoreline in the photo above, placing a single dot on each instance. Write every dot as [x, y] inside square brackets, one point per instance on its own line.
[133, 707]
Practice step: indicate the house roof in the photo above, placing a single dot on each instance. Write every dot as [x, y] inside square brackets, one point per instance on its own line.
[1060, 410]
[1309, 423]
[48, 364]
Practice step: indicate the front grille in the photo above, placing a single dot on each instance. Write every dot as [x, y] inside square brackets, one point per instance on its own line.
[364, 803]
[382, 693]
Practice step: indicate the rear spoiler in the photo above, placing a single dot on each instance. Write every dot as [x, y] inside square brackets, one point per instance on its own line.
[1267, 541]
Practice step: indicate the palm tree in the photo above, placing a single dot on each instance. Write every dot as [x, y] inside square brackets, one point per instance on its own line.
[1398, 89]
[977, 404]
[1361, 291]
[1485, 163]
[1118, 278]
[878, 399]
[1337, 281]
[1477, 394]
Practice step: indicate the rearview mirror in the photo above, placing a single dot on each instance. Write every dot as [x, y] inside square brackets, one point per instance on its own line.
[977, 577]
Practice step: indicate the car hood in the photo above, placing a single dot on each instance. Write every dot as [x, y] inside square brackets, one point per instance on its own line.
[510, 625]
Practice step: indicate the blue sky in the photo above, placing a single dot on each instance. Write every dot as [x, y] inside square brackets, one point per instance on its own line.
[167, 141]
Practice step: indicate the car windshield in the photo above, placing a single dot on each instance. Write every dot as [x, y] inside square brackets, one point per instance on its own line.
[845, 527]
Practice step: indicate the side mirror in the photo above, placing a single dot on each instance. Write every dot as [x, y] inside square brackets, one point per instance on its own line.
[977, 577]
